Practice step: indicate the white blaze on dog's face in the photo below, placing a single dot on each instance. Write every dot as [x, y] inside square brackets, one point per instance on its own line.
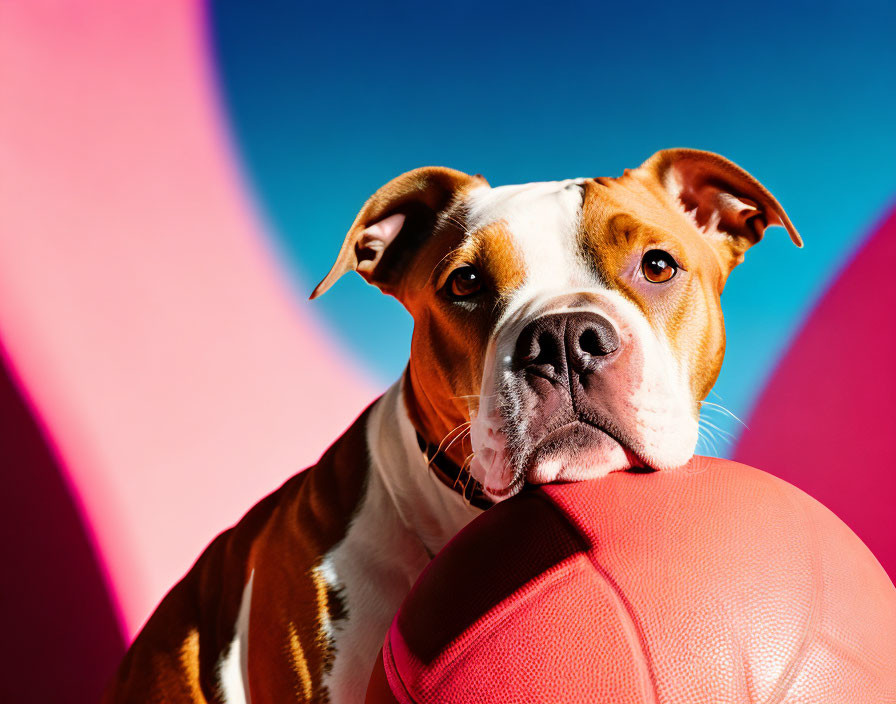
[576, 323]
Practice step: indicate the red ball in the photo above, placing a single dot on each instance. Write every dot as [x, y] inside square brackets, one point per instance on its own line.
[713, 583]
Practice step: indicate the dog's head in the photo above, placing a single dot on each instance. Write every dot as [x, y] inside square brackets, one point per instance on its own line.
[572, 327]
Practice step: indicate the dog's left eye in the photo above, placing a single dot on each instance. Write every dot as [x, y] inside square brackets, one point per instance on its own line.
[658, 266]
[463, 282]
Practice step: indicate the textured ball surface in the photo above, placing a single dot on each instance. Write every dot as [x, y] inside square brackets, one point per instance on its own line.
[714, 583]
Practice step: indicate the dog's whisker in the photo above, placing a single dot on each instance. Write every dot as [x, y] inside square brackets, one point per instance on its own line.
[724, 411]
[477, 396]
[438, 264]
[706, 421]
[467, 482]
[722, 431]
[713, 444]
[460, 437]
[713, 431]
[448, 254]
[704, 436]
[445, 446]
[464, 467]
[450, 437]
[448, 217]
[474, 401]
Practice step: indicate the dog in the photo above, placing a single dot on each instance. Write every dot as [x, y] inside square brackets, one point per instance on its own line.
[562, 330]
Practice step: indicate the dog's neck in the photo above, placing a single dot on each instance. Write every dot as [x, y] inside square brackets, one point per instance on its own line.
[430, 509]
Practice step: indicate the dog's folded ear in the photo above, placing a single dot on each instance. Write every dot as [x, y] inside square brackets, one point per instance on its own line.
[394, 222]
[724, 201]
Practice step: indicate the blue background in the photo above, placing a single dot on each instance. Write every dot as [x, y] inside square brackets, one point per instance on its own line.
[327, 102]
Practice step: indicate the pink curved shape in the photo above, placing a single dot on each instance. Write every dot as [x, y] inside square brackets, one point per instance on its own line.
[140, 308]
[827, 419]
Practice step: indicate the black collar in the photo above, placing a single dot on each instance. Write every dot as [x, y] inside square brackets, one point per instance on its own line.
[456, 478]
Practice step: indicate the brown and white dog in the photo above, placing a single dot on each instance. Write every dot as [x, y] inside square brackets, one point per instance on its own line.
[562, 331]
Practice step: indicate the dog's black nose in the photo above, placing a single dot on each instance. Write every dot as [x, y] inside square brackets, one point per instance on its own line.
[589, 337]
[552, 343]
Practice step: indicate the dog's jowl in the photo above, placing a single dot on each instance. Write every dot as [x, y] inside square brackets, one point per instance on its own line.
[562, 331]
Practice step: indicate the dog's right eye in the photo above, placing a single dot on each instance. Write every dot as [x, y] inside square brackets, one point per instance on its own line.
[658, 266]
[463, 282]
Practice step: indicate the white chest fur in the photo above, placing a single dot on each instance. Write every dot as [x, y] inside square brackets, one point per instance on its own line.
[406, 516]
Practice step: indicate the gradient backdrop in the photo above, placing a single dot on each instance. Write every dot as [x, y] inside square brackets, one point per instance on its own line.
[175, 179]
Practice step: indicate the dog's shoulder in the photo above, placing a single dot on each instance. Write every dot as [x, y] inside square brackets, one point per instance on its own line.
[277, 548]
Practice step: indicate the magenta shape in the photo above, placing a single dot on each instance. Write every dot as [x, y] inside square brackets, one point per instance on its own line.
[827, 417]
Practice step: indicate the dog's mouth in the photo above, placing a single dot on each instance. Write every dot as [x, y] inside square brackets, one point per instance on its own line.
[579, 438]
[569, 452]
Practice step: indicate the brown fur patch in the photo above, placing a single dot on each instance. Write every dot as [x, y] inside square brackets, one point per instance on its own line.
[282, 539]
[450, 339]
[625, 218]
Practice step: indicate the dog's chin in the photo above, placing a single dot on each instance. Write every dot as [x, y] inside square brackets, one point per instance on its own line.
[575, 452]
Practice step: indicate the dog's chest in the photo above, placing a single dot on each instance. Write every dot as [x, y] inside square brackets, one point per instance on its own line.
[371, 571]
[406, 516]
